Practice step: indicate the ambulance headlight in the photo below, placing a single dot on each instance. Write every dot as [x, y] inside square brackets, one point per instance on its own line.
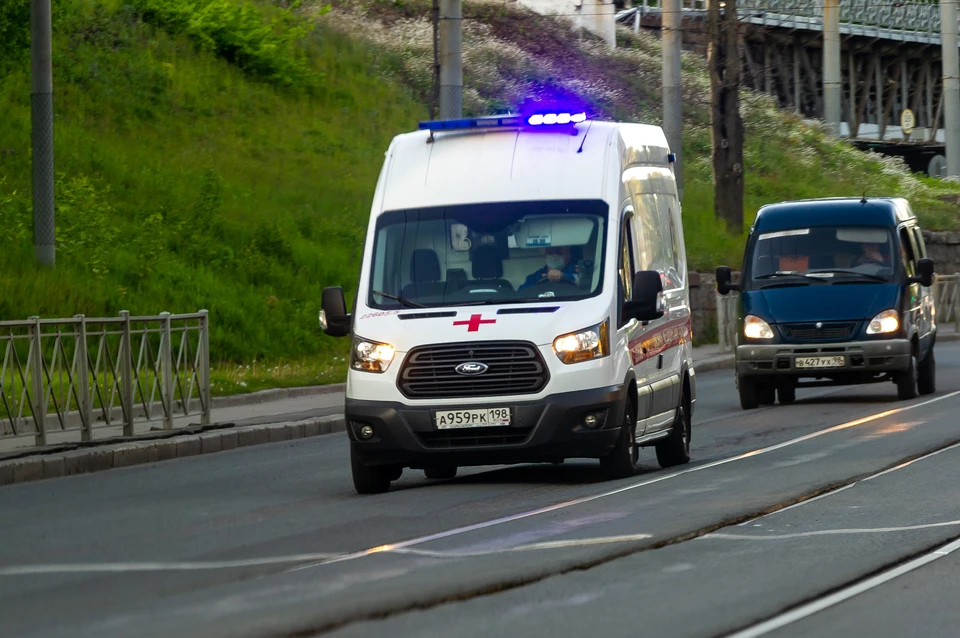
[884, 323]
[371, 356]
[591, 343]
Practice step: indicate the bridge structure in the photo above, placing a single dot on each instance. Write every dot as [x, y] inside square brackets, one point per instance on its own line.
[891, 63]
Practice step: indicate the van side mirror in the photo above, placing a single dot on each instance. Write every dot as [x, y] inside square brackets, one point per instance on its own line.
[724, 280]
[924, 275]
[647, 303]
[334, 319]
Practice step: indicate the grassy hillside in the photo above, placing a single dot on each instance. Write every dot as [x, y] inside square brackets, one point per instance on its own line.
[222, 154]
[193, 175]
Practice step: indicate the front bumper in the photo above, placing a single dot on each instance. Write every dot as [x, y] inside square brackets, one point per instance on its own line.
[890, 355]
[548, 430]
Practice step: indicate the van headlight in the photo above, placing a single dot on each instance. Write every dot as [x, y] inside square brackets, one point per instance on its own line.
[884, 323]
[590, 343]
[756, 328]
[371, 356]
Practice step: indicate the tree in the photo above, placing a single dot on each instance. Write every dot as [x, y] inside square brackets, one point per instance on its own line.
[726, 126]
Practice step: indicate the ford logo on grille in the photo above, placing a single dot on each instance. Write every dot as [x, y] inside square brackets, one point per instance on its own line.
[471, 368]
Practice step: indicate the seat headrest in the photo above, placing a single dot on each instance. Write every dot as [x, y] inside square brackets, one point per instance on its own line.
[487, 263]
[424, 266]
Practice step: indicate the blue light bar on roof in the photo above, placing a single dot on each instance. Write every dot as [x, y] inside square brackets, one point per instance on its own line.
[497, 121]
[545, 120]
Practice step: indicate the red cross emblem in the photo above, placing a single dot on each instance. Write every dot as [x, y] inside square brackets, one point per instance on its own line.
[473, 325]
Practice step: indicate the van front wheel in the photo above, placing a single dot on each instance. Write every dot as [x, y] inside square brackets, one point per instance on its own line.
[622, 460]
[907, 381]
[749, 393]
[927, 374]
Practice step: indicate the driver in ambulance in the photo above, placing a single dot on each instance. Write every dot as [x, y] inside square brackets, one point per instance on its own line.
[559, 266]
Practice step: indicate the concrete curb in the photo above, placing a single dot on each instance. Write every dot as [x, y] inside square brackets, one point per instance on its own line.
[267, 396]
[724, 362]
[41, 465]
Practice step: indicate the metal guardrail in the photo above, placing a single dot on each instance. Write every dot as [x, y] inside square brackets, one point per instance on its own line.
[79, 374]
[946, 297]
[915, 21]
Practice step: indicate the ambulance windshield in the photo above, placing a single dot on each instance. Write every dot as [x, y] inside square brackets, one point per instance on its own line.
[505, 252]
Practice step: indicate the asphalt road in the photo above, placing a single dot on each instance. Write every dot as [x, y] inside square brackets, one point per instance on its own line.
[786, 523]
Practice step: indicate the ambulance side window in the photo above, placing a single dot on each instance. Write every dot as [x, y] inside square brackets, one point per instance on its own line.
[626, 267]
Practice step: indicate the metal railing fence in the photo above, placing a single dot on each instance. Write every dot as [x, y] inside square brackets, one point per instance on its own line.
[79, 374]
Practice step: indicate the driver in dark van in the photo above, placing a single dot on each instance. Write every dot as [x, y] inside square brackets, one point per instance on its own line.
[559, 266]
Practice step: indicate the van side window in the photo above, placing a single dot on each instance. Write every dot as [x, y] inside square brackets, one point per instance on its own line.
[919, 243]
[675, 268]
[907, 251]
[626, 267]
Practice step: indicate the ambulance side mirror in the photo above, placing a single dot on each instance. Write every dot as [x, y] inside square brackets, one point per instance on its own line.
[648, 302]
[334, 319]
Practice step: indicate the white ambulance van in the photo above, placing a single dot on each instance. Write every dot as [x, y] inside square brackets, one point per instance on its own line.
[523, 298]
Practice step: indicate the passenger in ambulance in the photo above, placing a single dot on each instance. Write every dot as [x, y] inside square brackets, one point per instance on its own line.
[559, 267]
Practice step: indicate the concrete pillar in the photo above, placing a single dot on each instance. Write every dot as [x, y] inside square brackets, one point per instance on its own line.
[951, 84]
[451, 59]
[832, 79]
[672, 89]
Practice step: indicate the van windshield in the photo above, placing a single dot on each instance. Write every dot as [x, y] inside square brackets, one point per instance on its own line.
[506, 252]
[830, 254]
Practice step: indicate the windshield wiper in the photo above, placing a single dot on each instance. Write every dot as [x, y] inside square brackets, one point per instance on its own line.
[788, 273]
[405, 302]
[853, 272]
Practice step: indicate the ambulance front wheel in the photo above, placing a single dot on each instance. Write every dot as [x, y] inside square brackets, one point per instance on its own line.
[371, 479]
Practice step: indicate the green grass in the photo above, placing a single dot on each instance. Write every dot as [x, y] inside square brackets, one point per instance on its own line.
[222, 154]
[185, 182]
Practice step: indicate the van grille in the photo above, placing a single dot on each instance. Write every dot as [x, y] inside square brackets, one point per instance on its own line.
[836, 331]
[512, 368]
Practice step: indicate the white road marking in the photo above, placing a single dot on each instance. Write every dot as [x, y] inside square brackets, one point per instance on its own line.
[86, 568]
[816, 606]
[82, 568]
[826, 532]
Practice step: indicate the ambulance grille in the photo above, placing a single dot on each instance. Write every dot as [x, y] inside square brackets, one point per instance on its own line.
[513, 367]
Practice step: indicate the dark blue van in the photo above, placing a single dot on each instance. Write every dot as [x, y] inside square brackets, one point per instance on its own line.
[833, 292]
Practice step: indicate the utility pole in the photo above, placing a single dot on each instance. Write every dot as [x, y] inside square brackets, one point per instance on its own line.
[672, 16]
[451, 59]
[726, 126]
[951, 84]
[41, 102]
[832, 81]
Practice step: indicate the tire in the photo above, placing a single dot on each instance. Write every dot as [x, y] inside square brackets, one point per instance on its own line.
[927, 375]
[767, 394]
[369, 479]
[621, 462]
[907, 381]
[749, 393]
[441, 472]
[675, 450]
[787, 394]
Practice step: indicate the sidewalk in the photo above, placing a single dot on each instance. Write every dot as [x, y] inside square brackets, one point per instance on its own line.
[238, 421]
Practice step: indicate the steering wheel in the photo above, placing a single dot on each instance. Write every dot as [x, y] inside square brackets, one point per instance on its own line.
[562, 280]
[869, 260]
